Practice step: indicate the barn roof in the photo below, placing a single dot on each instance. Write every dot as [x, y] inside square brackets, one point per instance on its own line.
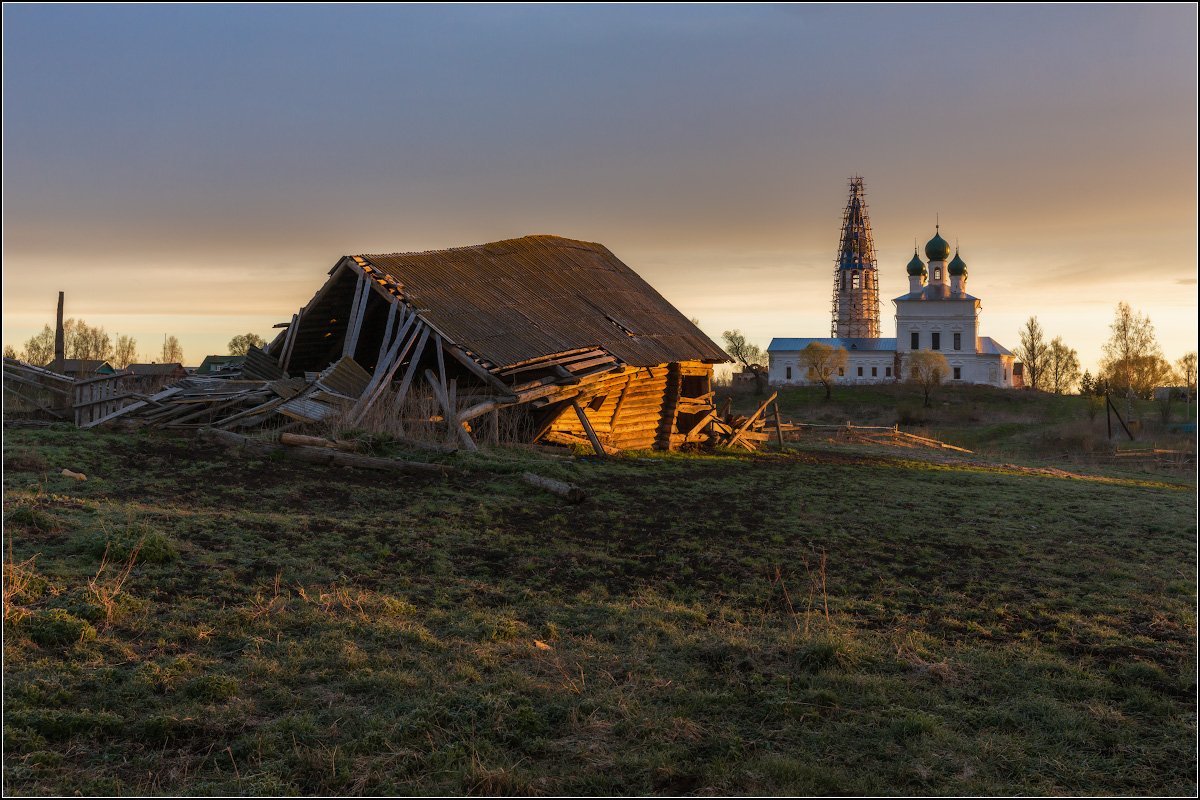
[154, 369]
[847, 343]
[522, 299]
[79, 365]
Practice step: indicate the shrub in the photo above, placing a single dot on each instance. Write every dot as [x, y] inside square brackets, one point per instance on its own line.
[34, 518]
[26, 461]
[126, 541]
[212, 687]
[57, 626]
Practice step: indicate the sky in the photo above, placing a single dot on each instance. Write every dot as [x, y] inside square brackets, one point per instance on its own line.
[196, 170]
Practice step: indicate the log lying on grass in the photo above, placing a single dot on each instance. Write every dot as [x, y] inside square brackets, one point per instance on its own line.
[300, 440]
[323, 455]
[573, 493]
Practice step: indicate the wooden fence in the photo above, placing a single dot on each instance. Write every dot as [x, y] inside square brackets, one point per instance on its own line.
[96, 399]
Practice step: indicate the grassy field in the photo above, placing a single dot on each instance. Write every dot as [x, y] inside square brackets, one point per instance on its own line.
[997, 422]
[823, 621]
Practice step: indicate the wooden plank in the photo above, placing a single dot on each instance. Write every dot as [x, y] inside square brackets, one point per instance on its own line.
[386, 342]
[572, 493]
[387, 368]
[354, 325]
[699, 426]
[270, 405]
[448, 411]
[778, 425]
[750, 420]
[475, 368]
[414, 360]
[11, 376]
[286, 352]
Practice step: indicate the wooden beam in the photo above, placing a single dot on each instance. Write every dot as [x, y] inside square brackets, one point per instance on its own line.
[475, 368]
[385, 369]
[386, 342]
[587, 427]
[572, 493]
[448, 411]
[358, 307]
[699, 426]
[778, 425]
[412, 364]
[750, 421]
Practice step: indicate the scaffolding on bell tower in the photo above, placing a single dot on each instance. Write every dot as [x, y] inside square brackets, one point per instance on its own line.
[855, 277]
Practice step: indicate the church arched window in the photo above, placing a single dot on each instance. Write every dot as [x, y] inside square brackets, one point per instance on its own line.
[853, 280]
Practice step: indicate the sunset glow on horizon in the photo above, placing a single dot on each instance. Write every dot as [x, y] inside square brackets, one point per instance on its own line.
[196, 171]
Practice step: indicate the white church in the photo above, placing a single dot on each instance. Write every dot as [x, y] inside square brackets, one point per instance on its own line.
[937, 314]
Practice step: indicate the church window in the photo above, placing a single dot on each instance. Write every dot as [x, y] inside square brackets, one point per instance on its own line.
[887, 372]
[958, 341]
[860, 372]
[937, 341]
[958, 373]
[916, 340]
[841, 371]
[789, 373]
[853, 280]
[874, 372]
[937, 273]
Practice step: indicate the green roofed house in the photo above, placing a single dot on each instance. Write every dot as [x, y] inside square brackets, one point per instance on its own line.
[220, 365]
[80, 368]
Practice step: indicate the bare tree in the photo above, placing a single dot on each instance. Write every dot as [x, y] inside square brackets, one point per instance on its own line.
[1061, 368]
[927, 369]
[39, 349]
[172, 351]
[241, 344]
[86, 342]
[1033, 352]
[124, 353]
[821, 362]
[1133, 364]
[1186, 367]
[749, 355]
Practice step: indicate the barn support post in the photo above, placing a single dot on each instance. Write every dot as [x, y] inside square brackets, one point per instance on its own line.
[778, 425]
[285, 351]
[386, 368]
[358, 308]
[386, 341]
[443, 399]
[587, 427]
[412, 364]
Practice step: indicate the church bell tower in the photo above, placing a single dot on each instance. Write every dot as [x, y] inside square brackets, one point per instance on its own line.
[855, 278]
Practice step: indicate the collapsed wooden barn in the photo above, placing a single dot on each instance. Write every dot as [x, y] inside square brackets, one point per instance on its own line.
[558, 329]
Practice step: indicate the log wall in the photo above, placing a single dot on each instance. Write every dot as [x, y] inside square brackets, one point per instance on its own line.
[637, 408]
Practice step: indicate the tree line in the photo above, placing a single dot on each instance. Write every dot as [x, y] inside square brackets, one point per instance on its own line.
[1133, 364]
[93, 343]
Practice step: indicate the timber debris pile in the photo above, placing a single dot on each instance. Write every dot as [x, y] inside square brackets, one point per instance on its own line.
[558, 336]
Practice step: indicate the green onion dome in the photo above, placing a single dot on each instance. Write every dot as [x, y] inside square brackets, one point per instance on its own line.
[916, 266]
[938, 249]
[957, 266]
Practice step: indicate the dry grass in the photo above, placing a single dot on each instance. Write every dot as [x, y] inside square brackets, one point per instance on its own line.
[419, 420]
[18, 578]
[106, 589]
